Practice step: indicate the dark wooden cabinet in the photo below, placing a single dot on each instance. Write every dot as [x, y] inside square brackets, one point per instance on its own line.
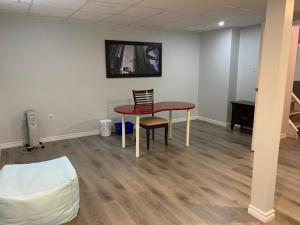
[242, 113]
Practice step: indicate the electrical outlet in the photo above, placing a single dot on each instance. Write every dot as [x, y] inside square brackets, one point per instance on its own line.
[51, 116]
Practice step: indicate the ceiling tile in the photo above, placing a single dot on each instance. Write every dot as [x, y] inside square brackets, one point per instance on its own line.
[148, 23]
[193, 20]
[93, 16]
[169, 21]
[221, 12]
[39, 10]
[195, 7]
[101, 7]
[245, 20]
[25, 1]
[165, 25]
[166, 17]
[254, 6]
[122, 20]
[121, 2]
[13, 6]
[193, 15]
[202, 27]
[141, 12]
[62, 4]
[240, 21]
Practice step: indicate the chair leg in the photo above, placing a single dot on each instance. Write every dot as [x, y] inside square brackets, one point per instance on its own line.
[148, 138]
[166, 135]
[152, 134]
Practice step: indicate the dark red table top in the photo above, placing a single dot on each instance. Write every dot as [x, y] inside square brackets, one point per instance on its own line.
[156, 107]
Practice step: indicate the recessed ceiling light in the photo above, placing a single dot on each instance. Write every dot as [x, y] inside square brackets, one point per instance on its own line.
[221, 23]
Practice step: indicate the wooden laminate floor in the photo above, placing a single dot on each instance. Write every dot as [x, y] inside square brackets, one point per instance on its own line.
[208, 183]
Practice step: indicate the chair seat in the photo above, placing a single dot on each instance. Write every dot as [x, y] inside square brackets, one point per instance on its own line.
[153, 121]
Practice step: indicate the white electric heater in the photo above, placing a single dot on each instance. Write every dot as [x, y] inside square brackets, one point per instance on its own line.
[32, 126]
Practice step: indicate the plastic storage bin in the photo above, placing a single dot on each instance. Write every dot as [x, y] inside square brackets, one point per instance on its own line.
[105, 127]
[128, 128]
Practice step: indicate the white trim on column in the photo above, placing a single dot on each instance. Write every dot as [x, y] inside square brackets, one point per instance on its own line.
[264, 217]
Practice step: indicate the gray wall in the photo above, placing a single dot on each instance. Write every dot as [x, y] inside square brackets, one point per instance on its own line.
[59, 67]
[249, 51]
[233, 73]
[228, 70]
[218, 69]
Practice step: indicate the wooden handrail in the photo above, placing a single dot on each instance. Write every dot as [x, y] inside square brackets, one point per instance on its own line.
[294, 113]
[293, 125]
[296, 98]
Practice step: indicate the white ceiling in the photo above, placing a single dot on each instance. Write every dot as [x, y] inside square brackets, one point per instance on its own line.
[189, 15]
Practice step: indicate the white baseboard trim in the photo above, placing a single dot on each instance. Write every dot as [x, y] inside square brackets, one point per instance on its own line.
[264, 217]
[72, 135]
[12, 144]
[53, 138]
[178, 120]
[222, 124]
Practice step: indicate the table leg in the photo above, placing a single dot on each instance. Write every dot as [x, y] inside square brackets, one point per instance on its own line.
[170, 124]
[188, 118]
[123, 131]
[137, 137]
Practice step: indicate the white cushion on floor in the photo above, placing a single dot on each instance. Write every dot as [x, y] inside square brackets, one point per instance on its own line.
[45, 193]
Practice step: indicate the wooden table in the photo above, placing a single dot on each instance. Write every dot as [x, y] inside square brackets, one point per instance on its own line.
[139, 110]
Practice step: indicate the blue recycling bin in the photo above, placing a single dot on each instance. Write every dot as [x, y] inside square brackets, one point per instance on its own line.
[128, 128]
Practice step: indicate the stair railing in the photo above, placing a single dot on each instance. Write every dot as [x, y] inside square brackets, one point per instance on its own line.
[293, 130]
[294, 97]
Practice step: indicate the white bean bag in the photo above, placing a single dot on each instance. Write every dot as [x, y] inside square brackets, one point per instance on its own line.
[45, 193]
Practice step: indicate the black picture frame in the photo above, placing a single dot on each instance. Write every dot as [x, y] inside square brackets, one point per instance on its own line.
[141, 59]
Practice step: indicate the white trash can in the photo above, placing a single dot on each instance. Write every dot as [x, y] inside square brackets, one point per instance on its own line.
[105, 127]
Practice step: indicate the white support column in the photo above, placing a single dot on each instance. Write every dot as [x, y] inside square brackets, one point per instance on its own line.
[170, 124]
[188, 121]
[123, 131]
[137, 137]
[272, 80]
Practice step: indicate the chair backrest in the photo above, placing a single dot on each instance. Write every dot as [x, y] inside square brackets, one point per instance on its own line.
[142, 97]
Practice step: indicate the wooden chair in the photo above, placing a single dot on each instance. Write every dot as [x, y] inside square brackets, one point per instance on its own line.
[145, 97]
